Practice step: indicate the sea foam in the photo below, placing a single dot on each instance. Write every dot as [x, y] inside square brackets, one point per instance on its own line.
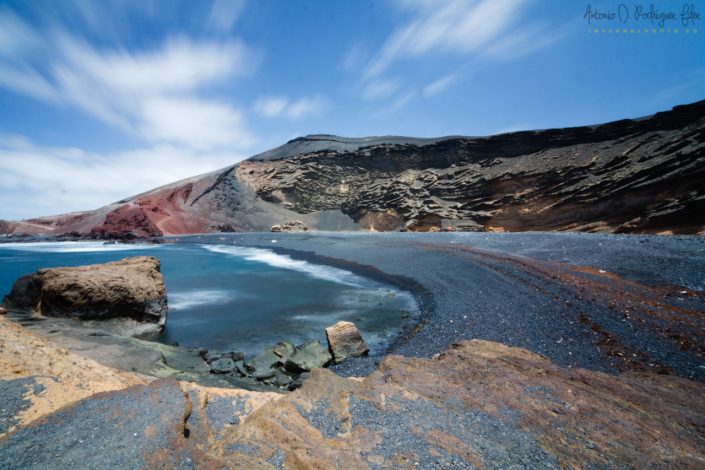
[326, 273]
[190, 299]
[75, 247]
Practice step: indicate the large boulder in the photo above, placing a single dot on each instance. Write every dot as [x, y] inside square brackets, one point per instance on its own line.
[344, 340]
[132, 288]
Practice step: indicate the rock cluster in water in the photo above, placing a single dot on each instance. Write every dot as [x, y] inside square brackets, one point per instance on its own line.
[286, 366]
[293, 226]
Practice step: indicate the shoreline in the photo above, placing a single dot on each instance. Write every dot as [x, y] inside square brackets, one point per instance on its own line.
[566, 322]
[439, 394]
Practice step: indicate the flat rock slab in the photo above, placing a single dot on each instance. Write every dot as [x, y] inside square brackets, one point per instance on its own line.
[132, 288]
[138, 427]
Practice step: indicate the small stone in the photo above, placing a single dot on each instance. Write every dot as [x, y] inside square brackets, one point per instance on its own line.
[211, 356]
[284, 349]
[264, 374]
[235, 355]
[344, 340]
[241, 368]
[282, 379]
[3, 311]
[262, 365]
[222, 365]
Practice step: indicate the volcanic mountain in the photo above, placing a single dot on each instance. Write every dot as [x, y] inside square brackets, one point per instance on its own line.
[643, 175]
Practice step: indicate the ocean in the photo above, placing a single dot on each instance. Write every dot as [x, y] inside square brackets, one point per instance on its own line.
[231, 298]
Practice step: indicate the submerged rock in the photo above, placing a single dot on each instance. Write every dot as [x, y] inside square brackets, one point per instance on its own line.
[344, 340]
[129, 289]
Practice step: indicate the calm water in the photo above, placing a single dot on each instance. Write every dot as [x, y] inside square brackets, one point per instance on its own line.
[227, 297]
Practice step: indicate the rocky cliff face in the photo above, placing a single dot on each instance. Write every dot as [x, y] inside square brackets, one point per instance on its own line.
[642, 175]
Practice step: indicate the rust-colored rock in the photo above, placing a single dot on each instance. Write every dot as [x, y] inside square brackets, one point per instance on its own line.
[344, 340]
[480, 404]
[126, 222]
[132, 288]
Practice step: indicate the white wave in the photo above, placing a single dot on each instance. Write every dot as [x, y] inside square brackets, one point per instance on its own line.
[190, 299]
[75, 247]
[326, 273]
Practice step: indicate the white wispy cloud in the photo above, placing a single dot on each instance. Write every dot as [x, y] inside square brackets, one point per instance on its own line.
[354, 57]
[195, 123]
[153, 93]
[440, 85]
[224, 13]
[39, 180]
[377, 89]
[280, 106]
[458, 27]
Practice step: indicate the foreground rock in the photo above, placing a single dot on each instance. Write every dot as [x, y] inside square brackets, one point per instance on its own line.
[344, 340]
[130, 293]
[479, 405]
[46, 377]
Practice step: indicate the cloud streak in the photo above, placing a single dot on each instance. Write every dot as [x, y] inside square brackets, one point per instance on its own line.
[279, 106]
[456, 27]
[153, 94]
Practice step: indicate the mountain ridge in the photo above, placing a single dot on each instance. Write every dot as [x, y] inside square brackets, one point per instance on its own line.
[639, 175]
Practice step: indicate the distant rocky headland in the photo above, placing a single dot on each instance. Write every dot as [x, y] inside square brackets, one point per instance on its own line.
[630, 176]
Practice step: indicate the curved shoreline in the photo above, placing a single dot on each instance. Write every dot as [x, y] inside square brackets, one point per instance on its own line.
[602, 302]
[553, 294]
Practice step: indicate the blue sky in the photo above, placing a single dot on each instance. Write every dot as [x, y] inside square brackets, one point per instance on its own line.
[100, 100]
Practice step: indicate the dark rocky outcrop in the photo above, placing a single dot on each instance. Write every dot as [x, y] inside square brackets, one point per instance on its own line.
[283, 366]
[129, 289]
[293, 226]
[633, 176]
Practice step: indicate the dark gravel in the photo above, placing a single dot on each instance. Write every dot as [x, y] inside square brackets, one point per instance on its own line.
[114, 430]
[13, 401]
[405, 434]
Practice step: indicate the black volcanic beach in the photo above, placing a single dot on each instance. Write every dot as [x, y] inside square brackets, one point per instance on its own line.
[603, 302]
